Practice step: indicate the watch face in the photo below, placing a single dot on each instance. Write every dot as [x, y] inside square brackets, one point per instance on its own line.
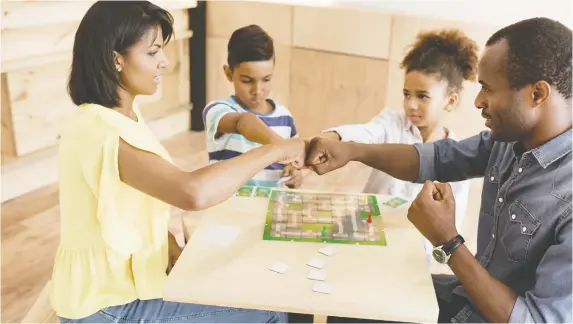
[439, 255]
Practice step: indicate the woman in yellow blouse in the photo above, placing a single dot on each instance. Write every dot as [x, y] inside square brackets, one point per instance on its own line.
[117, 181]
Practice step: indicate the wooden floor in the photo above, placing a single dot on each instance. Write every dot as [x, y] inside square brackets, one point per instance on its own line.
[30, 225]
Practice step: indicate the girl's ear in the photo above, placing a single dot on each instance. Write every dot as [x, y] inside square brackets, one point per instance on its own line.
[453, 99]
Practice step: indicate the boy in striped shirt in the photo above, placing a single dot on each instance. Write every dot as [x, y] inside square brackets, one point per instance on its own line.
[249, 118]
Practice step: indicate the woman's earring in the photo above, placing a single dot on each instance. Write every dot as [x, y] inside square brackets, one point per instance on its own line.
[119, 69]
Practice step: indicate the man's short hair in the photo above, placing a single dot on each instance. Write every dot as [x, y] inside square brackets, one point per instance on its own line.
[539, 50]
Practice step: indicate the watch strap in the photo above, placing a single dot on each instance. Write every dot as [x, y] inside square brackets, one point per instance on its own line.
[453, 244]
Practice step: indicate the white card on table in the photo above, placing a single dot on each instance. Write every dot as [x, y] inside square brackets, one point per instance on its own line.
[316, 263]
[327, 250]
[279, 267]
[322, 287]
[319, 275]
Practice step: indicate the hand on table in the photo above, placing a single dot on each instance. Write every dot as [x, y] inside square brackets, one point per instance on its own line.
[325, 155]
[433, 212]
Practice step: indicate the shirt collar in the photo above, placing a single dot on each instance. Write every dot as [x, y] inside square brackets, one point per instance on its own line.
[549, 152]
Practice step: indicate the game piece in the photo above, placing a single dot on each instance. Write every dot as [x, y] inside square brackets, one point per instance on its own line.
[327, 250]
[279, 267]
[322, 287]
[312, 217]
[316, 263]
[395, 202]
[319, 275]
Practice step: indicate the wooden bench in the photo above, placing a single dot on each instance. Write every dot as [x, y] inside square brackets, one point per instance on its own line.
[41, 311]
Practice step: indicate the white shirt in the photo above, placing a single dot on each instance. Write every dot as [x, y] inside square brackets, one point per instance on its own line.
[391, 126]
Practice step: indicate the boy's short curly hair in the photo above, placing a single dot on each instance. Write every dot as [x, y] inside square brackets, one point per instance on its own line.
[447, 53]
[538, 49]
[248, 44]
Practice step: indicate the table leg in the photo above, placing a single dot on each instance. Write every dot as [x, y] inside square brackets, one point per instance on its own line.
[319, 319]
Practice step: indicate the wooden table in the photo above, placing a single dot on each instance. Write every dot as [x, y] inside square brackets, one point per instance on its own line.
[390, 282]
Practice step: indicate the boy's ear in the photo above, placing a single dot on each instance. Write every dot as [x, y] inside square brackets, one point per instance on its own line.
[228, 73]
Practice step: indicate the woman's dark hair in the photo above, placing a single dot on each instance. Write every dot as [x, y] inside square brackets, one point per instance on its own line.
[248, 44]
[110, 26]
[448, 53]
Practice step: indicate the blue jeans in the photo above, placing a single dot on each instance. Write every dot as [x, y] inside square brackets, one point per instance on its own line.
[160, 311]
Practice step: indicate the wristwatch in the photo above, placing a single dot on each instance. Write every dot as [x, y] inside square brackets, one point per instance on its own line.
[442, 253]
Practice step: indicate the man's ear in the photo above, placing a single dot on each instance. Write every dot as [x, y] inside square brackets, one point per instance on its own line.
[540, 92]
[117, 61]
[228, 73]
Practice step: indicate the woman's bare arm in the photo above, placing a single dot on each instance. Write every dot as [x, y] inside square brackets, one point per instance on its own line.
[204, 187]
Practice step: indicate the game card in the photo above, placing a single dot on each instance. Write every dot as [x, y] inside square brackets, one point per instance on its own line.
[395, 202]
[244, 192]
[263, 192]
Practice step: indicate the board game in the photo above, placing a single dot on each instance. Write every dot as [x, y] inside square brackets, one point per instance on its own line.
[321, 217]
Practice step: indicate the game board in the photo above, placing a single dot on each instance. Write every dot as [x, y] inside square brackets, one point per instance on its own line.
[321, 217]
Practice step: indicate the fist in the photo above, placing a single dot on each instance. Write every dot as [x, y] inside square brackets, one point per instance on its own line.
[325, 155]
[291, 151]
[433, 212]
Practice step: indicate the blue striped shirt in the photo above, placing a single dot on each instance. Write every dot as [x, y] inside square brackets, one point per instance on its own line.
[227, 146]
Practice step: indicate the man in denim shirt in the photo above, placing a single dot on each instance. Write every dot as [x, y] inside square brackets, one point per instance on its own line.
[522, 269]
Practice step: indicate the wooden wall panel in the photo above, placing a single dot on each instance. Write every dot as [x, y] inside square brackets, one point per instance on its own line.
[19, 44]
[217, 84]
[405, 29]
[36, 46]
[219, 87]
[224, 17]
[330, 89]
[39, 102]
[342, 30]
[8, 144]
[25, 14]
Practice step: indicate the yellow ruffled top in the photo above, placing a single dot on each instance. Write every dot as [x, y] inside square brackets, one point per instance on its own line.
[113, 238]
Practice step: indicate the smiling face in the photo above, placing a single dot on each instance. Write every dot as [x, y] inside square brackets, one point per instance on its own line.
[504, 109]
[142, 65]
[252, 81]
[426, 98]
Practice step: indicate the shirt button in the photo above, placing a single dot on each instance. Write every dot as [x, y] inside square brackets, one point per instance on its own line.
[492, 178]
[520, 170]
[500, 199]
[524, 229]
[513, 216]
[492, 235]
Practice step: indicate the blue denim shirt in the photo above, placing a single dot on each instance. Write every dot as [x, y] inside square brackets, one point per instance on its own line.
[524, 231]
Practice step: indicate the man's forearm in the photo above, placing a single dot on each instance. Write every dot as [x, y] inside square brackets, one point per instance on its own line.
[493, 299]
[401, 161]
